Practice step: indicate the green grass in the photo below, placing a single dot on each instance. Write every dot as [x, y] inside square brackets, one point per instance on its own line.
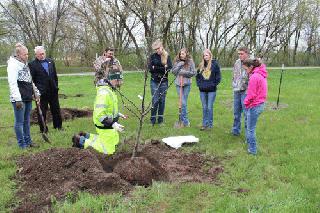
[3, 71]
[283, 177]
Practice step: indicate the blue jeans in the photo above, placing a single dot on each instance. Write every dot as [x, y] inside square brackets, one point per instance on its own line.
[207, 100]
[158, 93]
[184, 104]
[22, 123]
[252, 118]
[238, 108]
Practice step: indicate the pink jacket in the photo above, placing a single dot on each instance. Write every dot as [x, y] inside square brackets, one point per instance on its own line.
[257, 88]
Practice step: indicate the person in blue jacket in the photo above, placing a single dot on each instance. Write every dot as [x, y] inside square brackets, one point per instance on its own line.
[208, 77]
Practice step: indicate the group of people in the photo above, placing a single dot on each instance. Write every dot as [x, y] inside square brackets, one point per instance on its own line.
[37, 81]
[208, 77]
[249, 89]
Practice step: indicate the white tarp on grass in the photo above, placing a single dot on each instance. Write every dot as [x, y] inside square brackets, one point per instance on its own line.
[177, 141]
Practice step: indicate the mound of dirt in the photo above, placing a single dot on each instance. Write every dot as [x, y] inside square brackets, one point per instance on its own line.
[66, 114]
[137, 171]
[181, 166]
[57, 172]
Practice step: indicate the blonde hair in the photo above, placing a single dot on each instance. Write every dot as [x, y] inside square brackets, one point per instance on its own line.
[164, 55]
[19, 47]
[201, 65]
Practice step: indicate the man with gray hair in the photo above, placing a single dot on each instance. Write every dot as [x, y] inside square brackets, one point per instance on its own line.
[45, 78]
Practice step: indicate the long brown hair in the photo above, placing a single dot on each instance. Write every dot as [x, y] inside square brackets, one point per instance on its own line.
[187, 60]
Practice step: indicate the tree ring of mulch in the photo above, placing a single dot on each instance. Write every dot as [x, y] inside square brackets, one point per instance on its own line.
[58, 172]
[66, 114]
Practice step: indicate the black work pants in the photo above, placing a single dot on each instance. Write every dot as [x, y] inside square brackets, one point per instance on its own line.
[53, 101]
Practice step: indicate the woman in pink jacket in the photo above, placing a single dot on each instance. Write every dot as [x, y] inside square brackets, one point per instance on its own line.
[255, 99]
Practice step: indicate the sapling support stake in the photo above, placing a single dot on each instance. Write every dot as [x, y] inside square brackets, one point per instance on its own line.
[278, 99]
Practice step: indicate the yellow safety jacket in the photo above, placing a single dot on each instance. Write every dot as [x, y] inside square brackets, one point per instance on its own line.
[105, 142]
[105, 106]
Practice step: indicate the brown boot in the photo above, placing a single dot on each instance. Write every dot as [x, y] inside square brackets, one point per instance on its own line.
[76, 141]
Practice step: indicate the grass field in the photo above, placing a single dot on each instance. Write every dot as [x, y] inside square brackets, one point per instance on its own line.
[283, 177]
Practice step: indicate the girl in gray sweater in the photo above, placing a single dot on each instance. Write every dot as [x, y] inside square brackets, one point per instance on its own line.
[184, 69]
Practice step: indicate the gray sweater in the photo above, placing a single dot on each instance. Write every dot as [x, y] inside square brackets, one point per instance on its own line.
[187, 73]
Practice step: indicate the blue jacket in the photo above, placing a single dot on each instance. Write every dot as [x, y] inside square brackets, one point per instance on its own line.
[209, 85]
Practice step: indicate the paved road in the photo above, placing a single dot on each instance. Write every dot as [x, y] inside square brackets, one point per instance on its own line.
[128, 72]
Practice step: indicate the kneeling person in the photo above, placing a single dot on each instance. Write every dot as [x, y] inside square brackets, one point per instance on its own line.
[105, 118]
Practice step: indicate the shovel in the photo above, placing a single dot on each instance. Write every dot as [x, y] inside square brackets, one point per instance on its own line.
[44, 135]
[179, 124]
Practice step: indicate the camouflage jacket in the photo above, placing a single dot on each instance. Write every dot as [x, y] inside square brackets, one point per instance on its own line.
[106, 69]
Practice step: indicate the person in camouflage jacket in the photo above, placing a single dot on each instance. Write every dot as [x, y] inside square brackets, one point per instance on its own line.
[107, 66]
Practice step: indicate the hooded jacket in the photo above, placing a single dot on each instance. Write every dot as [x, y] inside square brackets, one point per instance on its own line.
[105, 111]
[19, 79]
[209, 85]
[257, 88]
[157, 69]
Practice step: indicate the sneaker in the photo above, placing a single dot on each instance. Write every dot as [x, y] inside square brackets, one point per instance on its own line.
[161, 124]
[251, 153]
[235, 134]
[186, 125]
[203, 128]
[33, 145]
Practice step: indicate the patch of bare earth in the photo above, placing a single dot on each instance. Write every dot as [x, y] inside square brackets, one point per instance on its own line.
[57, 172]
[66, 114]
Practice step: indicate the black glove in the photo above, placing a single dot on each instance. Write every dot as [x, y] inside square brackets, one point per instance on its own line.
[107, 122]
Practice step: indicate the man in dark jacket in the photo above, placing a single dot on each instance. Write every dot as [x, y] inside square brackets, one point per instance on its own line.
[44, 76]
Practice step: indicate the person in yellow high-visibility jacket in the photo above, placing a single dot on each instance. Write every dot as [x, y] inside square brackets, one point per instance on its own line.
[105, 118]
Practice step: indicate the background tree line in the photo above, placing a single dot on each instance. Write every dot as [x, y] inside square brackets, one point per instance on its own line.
[73, 31]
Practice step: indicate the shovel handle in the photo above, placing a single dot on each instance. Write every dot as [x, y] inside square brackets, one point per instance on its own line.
[180, 95]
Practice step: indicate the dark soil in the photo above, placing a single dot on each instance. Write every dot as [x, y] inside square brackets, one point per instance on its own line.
[57, 172]
[66, 114]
